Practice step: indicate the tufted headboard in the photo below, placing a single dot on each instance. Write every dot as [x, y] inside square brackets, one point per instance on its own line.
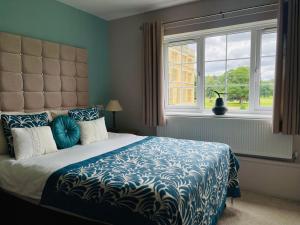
[38, 75]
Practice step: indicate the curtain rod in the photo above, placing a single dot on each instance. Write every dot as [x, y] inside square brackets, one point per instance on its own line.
[216, 14]
[220, 13]
[216, 20]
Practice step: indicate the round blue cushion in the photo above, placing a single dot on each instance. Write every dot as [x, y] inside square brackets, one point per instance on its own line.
[66, 131]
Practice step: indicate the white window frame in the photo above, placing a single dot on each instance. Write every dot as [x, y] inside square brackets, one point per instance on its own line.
[182, 108]
[256, 28]
[257, 67]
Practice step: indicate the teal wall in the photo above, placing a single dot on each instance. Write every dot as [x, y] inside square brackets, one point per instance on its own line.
[54, 21]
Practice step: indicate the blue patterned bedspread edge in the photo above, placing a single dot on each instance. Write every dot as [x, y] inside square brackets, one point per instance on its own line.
[157, 180]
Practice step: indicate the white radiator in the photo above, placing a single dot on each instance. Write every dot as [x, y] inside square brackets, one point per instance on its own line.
[245, 136]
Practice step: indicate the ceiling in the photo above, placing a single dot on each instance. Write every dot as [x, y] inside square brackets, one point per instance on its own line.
[114, 9]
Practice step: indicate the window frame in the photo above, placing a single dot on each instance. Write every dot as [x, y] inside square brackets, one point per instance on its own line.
[181, 108]
[198, 37]
[257, 67]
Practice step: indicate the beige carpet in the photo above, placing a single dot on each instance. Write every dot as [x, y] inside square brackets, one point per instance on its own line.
[255, 209]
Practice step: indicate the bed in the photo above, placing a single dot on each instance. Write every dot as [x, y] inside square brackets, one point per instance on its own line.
[124, 179]
[129, 178]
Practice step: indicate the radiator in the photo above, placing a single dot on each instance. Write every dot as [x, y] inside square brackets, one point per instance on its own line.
[245, 136]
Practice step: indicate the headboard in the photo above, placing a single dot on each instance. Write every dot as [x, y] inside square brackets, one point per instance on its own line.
[38, 75]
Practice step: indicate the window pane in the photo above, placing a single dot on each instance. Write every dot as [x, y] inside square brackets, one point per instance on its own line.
[267, 69]
[188, 97]
[238, 45]
[238, 65]
[238, 96]
[182, 95]
[189, 74]
[174, 73]
[214, 69]
[237, 75]
[189, 53]
[214, 75]
[174, 95]
[182, 74]
[215, 48]
[230, 76]
[268, 47]
[266, 91]
[174, 54]
[210, 95]
[267, 81]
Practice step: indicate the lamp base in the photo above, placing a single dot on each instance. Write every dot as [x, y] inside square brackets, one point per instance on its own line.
[114, 127]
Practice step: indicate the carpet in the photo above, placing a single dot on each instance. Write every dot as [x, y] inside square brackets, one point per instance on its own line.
[256, 209]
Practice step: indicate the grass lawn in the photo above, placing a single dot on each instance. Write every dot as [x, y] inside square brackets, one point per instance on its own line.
[264, 102]
[267, 102]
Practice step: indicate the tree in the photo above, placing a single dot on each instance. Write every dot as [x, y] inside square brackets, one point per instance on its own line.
[237, 80]
[266, 89]
[211, 82]
[238, 84]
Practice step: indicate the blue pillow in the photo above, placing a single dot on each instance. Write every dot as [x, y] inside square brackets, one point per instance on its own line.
[66, 131]
[84, 114]
[21, 121]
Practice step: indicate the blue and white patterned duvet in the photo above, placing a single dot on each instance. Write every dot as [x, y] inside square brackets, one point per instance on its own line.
[156, 180]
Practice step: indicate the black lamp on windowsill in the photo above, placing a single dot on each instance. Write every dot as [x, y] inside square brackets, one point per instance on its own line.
[114, 106]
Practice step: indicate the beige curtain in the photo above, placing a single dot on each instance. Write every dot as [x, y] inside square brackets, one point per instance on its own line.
[153, 74]
[286, 113]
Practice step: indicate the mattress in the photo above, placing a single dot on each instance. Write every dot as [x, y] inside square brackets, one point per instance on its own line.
[26, 178]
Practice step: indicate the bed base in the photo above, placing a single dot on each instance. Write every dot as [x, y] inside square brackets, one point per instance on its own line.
[20, 212]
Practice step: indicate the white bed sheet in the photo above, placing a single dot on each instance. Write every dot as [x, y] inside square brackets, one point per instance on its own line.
[27, 178]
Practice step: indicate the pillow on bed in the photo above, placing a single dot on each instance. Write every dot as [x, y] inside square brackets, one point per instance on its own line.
[65, 131]
[91, 131]
[34, 141]
[84, 114]
[3, 142]
[21, 121]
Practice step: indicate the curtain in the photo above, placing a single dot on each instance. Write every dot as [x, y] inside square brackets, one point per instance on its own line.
[286, 113]
[153, 74]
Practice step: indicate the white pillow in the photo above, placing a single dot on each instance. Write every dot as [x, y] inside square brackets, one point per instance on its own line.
[91, 131]
[34, 141]
[3, 142]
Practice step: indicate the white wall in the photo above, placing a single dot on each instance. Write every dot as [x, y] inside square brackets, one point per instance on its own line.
[273, 178]
[279, 179]
[125, 39]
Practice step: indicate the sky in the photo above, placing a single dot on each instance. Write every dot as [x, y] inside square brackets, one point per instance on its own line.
[238, 53]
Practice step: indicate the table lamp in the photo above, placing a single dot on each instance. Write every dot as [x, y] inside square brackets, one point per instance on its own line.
[114, 106]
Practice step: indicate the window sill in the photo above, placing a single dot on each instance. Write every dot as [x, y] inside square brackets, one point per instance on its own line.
[227, 115]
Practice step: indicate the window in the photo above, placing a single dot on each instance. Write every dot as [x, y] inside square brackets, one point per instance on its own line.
[227, 69]
[238, 61]
[182, 74]
[267, 68]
